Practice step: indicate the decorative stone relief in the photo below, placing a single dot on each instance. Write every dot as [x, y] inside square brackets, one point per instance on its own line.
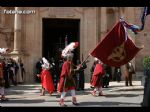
[9, 39]
[8, 35]
[62, 11]
[51, 12]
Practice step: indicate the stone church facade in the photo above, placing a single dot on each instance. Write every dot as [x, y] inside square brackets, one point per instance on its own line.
[23, 33]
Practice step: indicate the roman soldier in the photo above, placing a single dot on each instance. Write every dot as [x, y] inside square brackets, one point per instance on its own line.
[97, 77]
[67, 82]
[46, 78]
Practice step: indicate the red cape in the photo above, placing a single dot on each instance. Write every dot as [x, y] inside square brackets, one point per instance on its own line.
[47, 82]
[97, 75]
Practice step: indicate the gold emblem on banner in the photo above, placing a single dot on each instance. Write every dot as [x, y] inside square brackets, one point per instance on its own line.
[118, 53]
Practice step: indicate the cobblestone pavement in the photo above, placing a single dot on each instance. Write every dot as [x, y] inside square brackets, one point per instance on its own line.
[117, 94]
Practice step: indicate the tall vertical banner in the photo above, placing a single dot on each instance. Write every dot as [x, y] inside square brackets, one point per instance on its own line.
[116, 48]
[144, 14]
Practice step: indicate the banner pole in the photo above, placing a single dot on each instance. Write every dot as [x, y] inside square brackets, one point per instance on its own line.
[85, 59]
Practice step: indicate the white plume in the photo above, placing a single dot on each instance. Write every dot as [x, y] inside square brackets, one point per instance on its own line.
[3, 50]
[96, 59]
[46, 64]
[68, 49]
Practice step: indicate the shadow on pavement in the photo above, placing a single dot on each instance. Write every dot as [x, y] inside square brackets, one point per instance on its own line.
[121, 95]
[24, 101]
[21, 89]
[27, 101]
[106, 103]
[57, 100]
[130, 89]
[24, 87]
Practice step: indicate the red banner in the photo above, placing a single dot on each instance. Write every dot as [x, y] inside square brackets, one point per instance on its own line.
[116, 48]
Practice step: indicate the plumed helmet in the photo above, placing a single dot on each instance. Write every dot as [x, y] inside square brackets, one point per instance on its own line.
[45, 64]
[3, 50]
[69, 56]
[96, 59]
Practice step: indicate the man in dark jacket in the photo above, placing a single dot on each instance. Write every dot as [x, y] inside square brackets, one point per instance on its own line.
[6, 77]
[107, 76]
[118, 74]
[54, 71]
[128, 71]
[38, 70]
[80, 76]
[11, 71]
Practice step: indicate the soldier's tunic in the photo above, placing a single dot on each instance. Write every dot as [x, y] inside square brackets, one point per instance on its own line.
[66, 78]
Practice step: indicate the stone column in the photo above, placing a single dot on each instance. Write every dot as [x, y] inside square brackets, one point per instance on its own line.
[17, 32]
[16, 54]
[103, 21]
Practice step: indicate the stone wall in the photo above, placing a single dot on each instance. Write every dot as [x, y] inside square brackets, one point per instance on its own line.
[32, 33]
[95, 22]
[142, 38]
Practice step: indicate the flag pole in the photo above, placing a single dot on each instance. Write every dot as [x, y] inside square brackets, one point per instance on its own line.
[85, 59]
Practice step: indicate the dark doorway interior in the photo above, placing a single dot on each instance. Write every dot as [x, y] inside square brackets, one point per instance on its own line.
[54, 33]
